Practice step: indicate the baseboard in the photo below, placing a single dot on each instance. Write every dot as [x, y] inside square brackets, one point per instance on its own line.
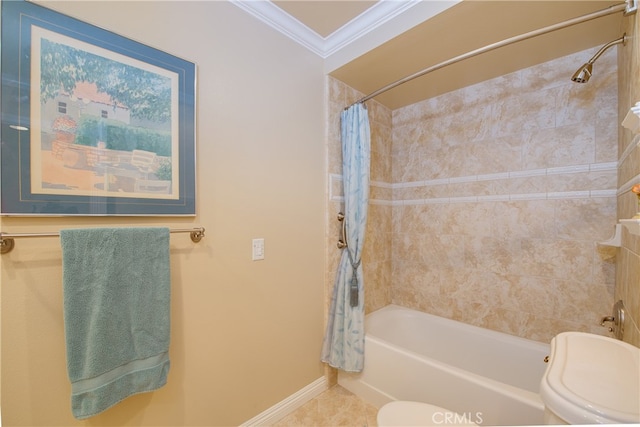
[288, 405]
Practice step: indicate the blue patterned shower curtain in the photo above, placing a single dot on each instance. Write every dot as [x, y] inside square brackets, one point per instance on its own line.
[343, 345]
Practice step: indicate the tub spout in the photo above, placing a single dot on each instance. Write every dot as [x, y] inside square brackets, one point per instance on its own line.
[606, 319]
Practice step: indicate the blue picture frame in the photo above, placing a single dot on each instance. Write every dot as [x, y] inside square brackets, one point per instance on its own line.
[93, 123]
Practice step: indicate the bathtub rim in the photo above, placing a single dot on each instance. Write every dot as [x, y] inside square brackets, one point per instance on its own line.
[378, 398]
[459, 324]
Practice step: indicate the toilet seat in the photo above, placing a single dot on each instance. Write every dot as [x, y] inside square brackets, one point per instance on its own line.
[406, 413]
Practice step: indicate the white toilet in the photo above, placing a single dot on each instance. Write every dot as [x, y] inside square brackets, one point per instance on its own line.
[591, 379]
[405, 413]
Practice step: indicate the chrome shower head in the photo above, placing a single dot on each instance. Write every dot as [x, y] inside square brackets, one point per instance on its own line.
[583, 74]
[585, 71]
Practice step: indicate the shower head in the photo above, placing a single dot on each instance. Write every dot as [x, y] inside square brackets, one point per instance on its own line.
[585, 71]
[583, 74]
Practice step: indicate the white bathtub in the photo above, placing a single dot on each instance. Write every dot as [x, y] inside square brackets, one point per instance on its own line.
[490, 377]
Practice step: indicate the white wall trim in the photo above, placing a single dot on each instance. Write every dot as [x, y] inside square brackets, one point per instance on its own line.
[377, 15]
[372, 18]
[288, 405]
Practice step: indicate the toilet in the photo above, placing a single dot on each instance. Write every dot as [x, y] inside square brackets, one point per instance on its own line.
[591, 379]
[406, 413]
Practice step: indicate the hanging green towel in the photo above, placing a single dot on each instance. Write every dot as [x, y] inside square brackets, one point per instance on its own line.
[116, 314]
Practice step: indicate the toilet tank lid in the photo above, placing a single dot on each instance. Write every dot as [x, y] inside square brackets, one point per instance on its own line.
[592, 378]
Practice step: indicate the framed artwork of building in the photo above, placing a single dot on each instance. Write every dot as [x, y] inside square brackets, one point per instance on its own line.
[93, 123]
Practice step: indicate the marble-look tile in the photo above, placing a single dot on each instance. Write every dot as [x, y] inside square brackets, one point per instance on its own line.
[606, 139]
[631, 297]
[531, 268]
[334, 407]
[575, 104]
[628, 205]
[564, 146]
[524, 267]
[525, 113]
[492, 90]
[522, 219]
[574, 219]
[629, 166]
[584, 302]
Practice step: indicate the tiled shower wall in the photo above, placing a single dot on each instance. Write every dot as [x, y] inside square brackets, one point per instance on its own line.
[501, 192]
[488, 202]
[628, 260]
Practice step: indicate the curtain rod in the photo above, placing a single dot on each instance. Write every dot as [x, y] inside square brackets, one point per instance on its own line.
[629, 7]
[7, 243]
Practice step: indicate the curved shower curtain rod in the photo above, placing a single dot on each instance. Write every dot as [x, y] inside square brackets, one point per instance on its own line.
[629, 7]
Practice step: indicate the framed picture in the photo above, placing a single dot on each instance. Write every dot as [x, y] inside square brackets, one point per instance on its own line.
[93, 123]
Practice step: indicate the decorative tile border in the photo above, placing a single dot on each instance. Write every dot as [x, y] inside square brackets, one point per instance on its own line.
[334, 186]
[627, 185]
[559, 195]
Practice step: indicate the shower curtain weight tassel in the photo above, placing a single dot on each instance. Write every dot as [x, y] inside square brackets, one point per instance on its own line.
[353, 286]
[353, 292]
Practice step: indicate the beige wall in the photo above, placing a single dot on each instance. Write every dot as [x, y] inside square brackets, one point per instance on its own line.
[245, 335]
[628, 260]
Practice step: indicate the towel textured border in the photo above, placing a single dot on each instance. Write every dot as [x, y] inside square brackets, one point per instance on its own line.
[116, 314]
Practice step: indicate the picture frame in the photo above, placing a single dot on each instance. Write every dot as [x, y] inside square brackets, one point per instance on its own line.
[93, 123]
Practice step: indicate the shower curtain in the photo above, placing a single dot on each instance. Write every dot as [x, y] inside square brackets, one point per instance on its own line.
[343, 345]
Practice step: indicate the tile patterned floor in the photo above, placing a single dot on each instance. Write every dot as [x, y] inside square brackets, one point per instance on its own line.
[333, 408]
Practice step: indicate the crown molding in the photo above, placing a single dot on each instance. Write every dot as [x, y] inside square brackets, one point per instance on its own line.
[372, 18]
[281, 21]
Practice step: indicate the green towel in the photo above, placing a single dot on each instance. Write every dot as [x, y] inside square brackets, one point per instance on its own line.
[116, 314]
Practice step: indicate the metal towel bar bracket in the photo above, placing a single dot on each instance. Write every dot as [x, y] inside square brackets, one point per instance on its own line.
[7, 242]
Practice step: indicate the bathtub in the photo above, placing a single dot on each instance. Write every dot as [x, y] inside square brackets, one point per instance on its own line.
[488, 377]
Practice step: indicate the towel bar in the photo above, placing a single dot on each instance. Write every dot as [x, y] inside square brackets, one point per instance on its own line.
[7, 243]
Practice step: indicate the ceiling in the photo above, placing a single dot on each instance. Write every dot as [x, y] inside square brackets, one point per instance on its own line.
[454, 29]
[324, 16]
